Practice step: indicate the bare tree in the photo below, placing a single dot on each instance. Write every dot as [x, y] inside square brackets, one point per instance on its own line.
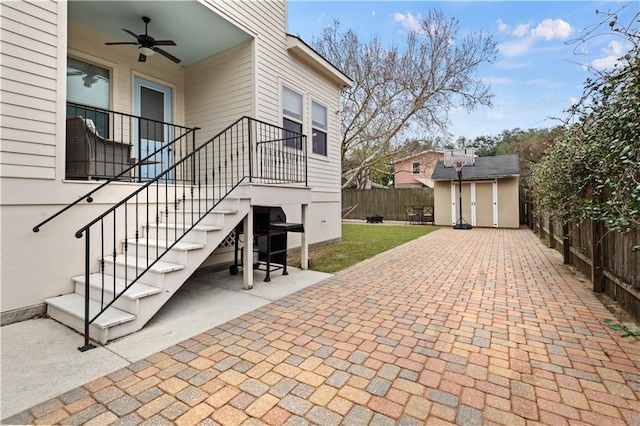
[399, 93]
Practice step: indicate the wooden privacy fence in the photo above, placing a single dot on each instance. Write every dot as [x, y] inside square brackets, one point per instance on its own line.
[607, 257]
[389, 203]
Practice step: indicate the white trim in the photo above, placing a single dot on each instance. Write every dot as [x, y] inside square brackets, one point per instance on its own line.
[495, 203]
[298, 48]
[474, 212]
[453, 203]
[313, 99]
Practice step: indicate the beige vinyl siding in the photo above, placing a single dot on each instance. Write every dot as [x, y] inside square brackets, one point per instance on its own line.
[266, 20]
[28, 53]
[274, 67]
[219, 90]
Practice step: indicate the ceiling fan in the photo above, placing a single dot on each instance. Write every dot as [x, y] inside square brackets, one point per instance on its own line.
[147, 44]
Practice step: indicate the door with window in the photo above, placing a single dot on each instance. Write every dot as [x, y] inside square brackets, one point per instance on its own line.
[153, 102]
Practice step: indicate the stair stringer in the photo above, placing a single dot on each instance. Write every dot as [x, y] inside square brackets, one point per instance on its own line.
[172, 281]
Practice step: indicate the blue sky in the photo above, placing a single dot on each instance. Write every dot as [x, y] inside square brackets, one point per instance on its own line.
[538, 71]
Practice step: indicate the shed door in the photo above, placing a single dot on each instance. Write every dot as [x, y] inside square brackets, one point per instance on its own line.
[484, 204]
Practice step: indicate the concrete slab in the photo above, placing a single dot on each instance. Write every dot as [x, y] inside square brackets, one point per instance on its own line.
[40, 358]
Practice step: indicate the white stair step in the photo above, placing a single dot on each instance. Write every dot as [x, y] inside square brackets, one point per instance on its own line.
[197, 235]
[180, 226]
[152, 244]
[135, 291]
[161, 266]
[73, 304]
[154, 248]
[214, 218]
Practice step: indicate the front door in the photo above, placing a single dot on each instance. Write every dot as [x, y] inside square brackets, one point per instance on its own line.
[153, 102]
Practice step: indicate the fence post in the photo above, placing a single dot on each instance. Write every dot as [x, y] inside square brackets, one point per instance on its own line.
[541, 226]
[552, 238]
[566, 244]
[596, 256]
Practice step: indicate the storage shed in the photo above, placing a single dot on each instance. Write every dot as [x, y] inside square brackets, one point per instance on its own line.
[489, 193]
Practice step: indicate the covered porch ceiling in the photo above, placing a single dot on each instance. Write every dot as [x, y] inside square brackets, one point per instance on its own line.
[197, 31]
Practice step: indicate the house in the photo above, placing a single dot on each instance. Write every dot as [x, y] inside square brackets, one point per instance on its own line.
[489, 192]
[137, 136]
[415, 171]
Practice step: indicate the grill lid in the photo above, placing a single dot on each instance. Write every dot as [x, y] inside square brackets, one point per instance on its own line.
[286, 227]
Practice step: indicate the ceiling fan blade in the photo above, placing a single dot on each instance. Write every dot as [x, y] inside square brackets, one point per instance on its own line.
[167, 55]
[142, 58]
[134, 35]
[165, 43]
[112, 43]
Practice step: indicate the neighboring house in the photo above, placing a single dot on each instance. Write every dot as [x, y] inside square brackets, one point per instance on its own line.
[415, 171]
[246, 118]
[489, 193]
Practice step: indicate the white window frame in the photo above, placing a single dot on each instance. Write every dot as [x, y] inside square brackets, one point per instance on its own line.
[319, 128]
[292, 116]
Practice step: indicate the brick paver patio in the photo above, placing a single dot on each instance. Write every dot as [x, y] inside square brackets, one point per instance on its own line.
[472, 327]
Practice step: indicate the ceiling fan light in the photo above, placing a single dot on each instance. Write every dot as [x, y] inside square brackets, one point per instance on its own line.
[146, 51]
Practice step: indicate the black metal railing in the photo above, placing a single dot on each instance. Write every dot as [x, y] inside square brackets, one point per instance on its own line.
[91, 156]
[104, 144]
[133, 235]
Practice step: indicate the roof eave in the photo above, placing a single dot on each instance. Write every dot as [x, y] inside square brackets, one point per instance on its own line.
[303, 51]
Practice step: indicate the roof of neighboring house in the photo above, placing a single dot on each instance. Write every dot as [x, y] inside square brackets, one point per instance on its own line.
[499, 166]
[419, 154]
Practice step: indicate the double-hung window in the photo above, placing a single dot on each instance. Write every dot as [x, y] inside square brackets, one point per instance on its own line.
[415, 168]
[88, 89]
[292, 118]
[319, 125]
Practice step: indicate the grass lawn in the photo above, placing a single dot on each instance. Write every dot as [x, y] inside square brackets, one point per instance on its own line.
[359, 242]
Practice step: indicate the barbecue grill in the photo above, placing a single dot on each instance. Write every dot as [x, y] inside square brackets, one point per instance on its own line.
[270, 228]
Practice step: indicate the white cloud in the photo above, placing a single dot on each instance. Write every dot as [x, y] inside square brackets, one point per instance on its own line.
[613, 52]
[496, 80]
[502, 27]
[573, 100]
[550, 29]
[519, 47]
[512, 65]
[373, 13]
[603, 63]
[495, 115]
[408, 20]
[521, 30]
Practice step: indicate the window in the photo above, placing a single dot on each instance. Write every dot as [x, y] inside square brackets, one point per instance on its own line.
[88, 85]
[415, 168]
[152, 108]
[319, 124]
[292, 118]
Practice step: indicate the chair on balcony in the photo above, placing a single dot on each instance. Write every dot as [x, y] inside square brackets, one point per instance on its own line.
[90, 156]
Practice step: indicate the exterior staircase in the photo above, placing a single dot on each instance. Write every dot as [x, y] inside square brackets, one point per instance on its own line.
[130, 312]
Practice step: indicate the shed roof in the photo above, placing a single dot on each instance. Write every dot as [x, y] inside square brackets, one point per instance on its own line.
[499, 166]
